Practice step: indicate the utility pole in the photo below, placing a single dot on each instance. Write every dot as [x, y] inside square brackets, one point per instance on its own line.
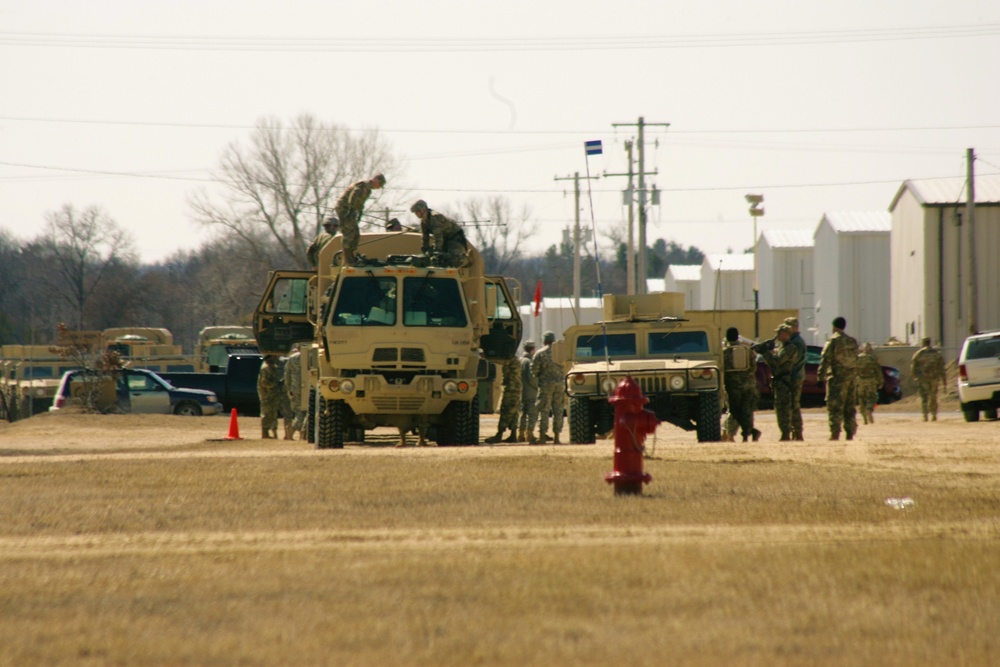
[970, 216]
[576, 239]
[630, 245]
[642, 124]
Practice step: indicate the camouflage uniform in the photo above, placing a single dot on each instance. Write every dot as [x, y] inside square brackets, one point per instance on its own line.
[838, 369]
[349, 208]
[927, 367]
[447, 236]
[510, 400]
[799, 378]
[741, 392]
[783, 363]
[870, 380]
[529, 394]
[293, 387]
[551, 393]
[268, 390]
[312, 253]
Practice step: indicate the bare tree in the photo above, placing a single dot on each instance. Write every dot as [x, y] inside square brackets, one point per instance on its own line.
[282, 184]
[498, 231]
[80, 250]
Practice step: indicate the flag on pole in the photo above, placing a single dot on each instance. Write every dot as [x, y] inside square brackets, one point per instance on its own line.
[593, 147]
[538, 297]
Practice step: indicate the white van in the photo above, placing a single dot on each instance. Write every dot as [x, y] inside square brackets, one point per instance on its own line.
[979, 376]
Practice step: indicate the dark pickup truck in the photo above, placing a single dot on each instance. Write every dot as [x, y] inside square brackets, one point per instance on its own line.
[236, 387]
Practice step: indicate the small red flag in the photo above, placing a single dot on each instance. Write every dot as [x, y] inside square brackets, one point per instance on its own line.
[538, 297]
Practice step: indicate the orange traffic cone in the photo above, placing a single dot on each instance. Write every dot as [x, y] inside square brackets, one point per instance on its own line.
[234, 427]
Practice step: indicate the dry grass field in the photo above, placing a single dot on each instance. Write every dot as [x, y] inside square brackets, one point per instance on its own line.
[129, 540]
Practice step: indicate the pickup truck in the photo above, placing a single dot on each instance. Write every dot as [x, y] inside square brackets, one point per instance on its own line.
[236, 387]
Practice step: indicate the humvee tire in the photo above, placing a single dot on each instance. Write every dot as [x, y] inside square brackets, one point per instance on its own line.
[311, 417]
[332, 424]
[581, 426]
[709, 414]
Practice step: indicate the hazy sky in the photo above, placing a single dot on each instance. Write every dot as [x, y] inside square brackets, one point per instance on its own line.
[817, 106]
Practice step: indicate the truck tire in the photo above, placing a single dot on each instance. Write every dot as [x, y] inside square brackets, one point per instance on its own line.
[461, 426]
[581, 426]
[188, 409]
[332, 418]
[311, 417]
[709, 413]
[971, 414]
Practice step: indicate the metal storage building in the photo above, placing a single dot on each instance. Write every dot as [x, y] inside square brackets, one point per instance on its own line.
[727, 282]
[851, 259]
[785, 272]
[685, 278]
[931, 250]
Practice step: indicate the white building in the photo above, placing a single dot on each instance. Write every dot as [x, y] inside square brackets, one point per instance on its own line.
[556, 314]
[727, 282]
[851, 258]
[932, 281]
[654, 285]
[685, 278]
[785, 272]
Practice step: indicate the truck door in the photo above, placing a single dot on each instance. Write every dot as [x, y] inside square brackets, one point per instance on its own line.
[282, 316]
[144, 394]
[504, 334]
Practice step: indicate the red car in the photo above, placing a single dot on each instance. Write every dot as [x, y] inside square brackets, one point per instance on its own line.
[813, 393]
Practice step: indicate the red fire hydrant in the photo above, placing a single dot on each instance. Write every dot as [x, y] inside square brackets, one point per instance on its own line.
[632, 424]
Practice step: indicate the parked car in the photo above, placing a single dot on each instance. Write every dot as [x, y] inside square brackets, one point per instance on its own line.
[814, 393]
[135, 390]
[235, 384]
[979, 376]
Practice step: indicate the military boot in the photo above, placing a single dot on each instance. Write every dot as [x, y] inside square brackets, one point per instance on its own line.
[522, 436]
[555, 438]
[756, 435]
[544, 437]
[531, 439]
[264, 433]
[496, 438]
[289, 434]
[513, 437]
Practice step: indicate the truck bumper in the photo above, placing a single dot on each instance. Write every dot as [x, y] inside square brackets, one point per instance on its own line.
[373, 394]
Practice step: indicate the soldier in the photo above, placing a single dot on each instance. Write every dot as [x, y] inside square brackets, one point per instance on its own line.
[284, 402]
[510, 401]
[927, 367]
[870, 380]
[270, 401]
[293, 385]
[442, 235]
[394, 225]
[330, 229]
[741, 392]
[349, 208]
[529, 393]
[838, 368]
[799, 377]
[783, 364]
[551, 392]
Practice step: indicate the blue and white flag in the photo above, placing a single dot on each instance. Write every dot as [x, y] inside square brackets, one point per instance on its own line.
[593, 147]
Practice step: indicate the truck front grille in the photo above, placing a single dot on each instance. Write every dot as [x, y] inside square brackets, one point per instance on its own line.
[401, 404]
[412, 354]
[385, 354]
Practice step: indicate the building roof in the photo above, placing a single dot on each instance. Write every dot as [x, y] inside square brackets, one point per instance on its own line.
[950, 191]
[730, 262]
[685, 272]
[655, 285]
[788, 239]
[859, 222]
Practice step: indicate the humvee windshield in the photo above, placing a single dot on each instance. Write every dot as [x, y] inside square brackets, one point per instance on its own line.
[679, 342]
[619, 345]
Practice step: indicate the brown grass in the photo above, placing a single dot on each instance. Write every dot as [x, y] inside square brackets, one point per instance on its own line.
[174, 551]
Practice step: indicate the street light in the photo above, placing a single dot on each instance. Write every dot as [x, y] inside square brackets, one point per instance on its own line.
[755, 201]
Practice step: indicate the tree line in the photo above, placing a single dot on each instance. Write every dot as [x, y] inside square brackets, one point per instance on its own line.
[82, 269]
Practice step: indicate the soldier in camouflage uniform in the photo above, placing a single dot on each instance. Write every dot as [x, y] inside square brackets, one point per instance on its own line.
[870, 380]
[349, 208]
[330, 229]
[927, 367]
[529, 393]
[741, 392]
[293, 386]
[795, 338]
[551, 392]
[441, 235]
[783, 360]
[838, 369]
[268, 390]
[510, 401]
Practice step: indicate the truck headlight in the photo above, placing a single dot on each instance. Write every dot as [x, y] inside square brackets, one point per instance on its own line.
[608, 385]
[450, 387]
[676, 382]
[347, 386]
[212, 398]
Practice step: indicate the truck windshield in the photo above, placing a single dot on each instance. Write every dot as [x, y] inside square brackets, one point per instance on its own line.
[619, 345]
[365, 301]
[666, 342]
[433, 302]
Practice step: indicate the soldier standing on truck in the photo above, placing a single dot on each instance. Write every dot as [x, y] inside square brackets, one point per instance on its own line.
[529, 393]
[268, 392]
[330, 229]
[293, 385]
[349, 208]
[509, 401]
[927, 367]
[838, 368]
[442, 235]
[551, 392]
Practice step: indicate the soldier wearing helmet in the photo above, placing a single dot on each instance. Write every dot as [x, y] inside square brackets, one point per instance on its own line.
[441, 235]
[349, 208]
[330, 229]
[551, 392]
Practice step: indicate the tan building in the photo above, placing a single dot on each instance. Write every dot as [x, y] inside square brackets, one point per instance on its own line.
[931, 250]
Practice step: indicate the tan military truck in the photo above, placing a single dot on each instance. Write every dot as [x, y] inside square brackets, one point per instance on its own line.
[217, 343]
[677, 363]
[398, 341]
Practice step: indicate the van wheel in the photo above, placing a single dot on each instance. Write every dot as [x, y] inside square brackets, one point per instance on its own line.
[970, 414]
[188, 409]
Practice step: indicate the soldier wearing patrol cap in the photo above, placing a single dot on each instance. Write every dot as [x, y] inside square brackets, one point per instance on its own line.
[529, 393]
[551, 392]
[800, 377]
[782, 363]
